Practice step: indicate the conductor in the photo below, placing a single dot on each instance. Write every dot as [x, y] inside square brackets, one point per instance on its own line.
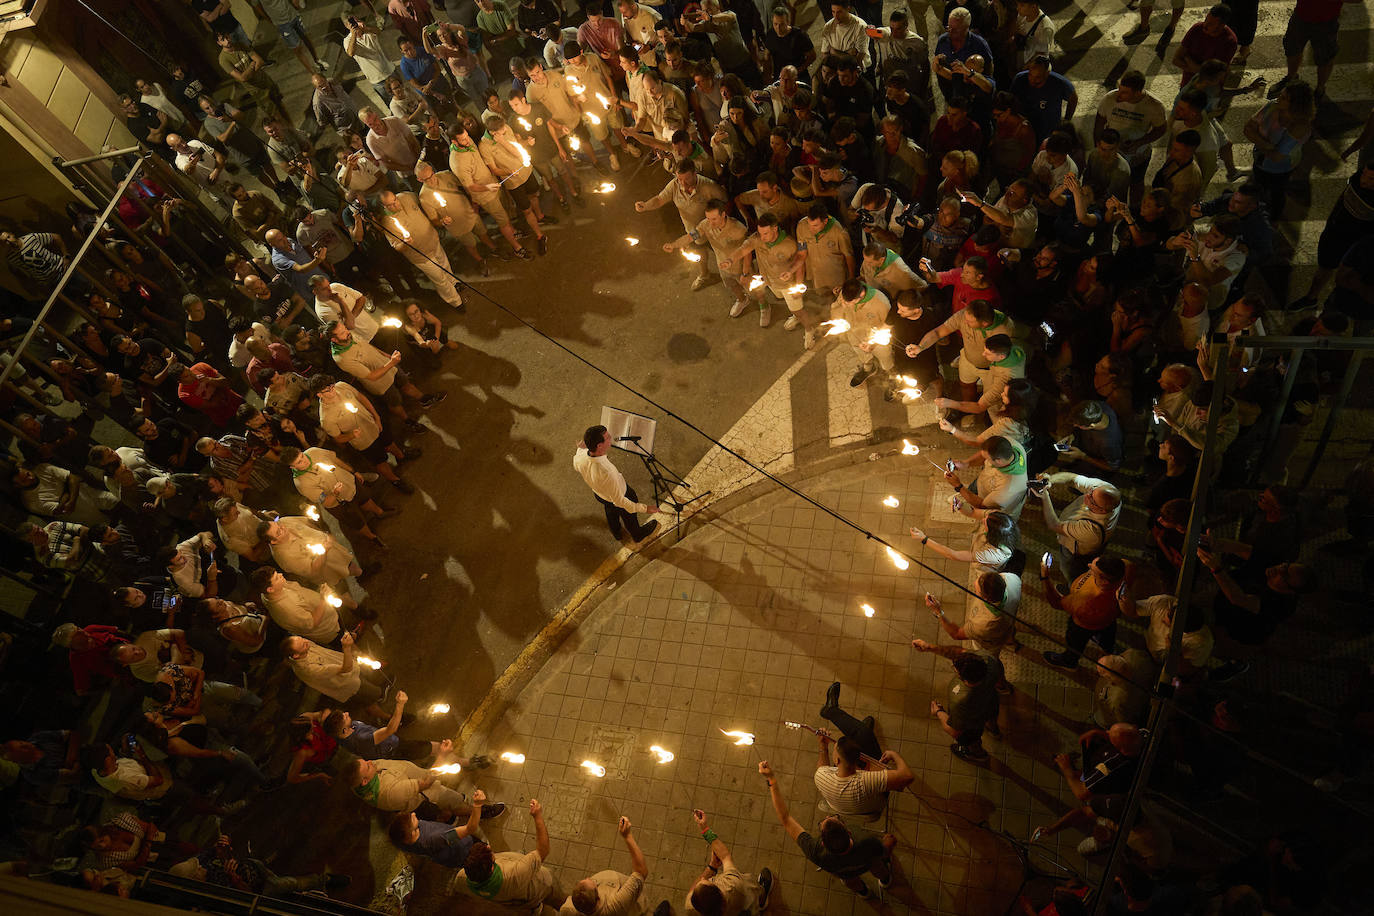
[609, 487]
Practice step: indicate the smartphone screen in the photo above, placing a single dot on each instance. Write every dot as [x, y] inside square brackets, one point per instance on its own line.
[1046, 559]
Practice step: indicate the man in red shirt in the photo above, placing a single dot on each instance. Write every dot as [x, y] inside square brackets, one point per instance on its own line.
[970, 282]
[1093, 604]
[955, 130]
[88, 653]
[1316, 22]
[1210, 39]
[202, 387]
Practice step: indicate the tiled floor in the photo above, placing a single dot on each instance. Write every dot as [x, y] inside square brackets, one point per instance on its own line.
[741, 626]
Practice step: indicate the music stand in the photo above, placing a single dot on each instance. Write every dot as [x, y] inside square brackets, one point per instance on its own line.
[634, 433]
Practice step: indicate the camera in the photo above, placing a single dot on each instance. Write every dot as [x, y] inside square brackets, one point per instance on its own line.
[1038, 484]
[863, 217]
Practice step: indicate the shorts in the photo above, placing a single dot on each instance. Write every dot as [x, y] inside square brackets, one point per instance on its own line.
[291, 32]
[521, 194]
[794, 302]
[491, 203]
[376, 452]
[969, 374]
[1321, 35]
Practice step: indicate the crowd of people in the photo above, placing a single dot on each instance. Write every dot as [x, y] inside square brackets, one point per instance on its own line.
[1051, 283]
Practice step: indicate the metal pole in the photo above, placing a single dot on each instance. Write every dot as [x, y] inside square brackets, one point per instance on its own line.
[1161, 711]
[68, 163]
[1289, 378]
[67, 274]
[1338, 405]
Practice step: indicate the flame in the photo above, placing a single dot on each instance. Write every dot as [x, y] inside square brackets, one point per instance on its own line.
[909, 449]
[525, 124]
[796, 289]
[892, 502]
[595, 769]
[897, 559]
[313, 513]
[909, 394]
[324, 467]
[524, 153]
[574, 144]
[577, 88]
[632, 240]
[691, 255]
[438, 709]
[391, 322]
[742, 739]
[867, 609]
[440, 199]
[605, 187]
[755, 282]
[835, 326]
[448, 769]
[350, 407]
[605, 102]
[663, 756]
[316, 549]
[880, 337]
[373, 664]
[401, 229]
[511, 757]
[591, 117]
[333, 600]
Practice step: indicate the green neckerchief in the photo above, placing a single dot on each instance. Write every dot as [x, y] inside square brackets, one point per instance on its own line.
[1017, 357]
[453, 145]
[372, 790]
[297, 472]
[888, 259]
[336, 348]
[997, 319]
[1017, 466]
[697, 150]
[777, 241]
[829, 221]
[489, 888]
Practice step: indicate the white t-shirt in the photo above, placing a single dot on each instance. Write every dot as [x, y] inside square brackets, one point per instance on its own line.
[1132, 119]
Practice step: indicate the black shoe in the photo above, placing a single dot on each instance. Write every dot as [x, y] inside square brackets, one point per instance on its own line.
[389, 511]
[505, 255]
[411, 452]
[864, 894]
[415, 427]
[524, 254]
[618, 535]
[543, 244]
[869, 722]
[664, 908]
[832, 698]
[493, 811]
[549, 220]
[334, 882]
[859, 377]
[646, 531]
[766, 882]
[1228, 671]
[974, 754]
[403, 486]
[485, 268]
[479, 761]
[564, 205]
[1061, 660]
[430, 400]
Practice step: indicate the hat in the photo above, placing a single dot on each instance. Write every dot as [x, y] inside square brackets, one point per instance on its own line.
[158, 485]
[571, 49]
[62, 636]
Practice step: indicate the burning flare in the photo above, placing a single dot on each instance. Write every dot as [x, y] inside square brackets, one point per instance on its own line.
[391, 322]
[524, 153]
[605, 187]
[512, 757]
[312, 513]
[350, 407]
[742, 739]
[316, 549]
[867, 609]
[401, 229]
[897, 559]
[797, 289]
[591, 117]
[835, 326]
[324, 467]
[448, 769]
[574, 144]
[910, 449]
[333, 600]
[892, 502]
[438, 709]
[691, 255]
[880, 337]
[373, 664]
[440, 199]
[663, 756]
[632, 240]
[525, 124]
[605, 102]
[755, 282]
[595, 769]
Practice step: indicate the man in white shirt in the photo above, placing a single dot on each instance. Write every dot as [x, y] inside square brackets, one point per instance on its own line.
[1086, 524]
[339, 302]
[609, 487]
[363, 44]
[202, 164]
[845, 34]
[1139, 118]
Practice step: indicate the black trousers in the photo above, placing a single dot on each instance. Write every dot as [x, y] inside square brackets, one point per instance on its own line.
[855, 728]
[616, 517]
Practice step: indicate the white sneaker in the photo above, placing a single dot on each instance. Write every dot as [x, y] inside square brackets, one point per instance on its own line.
[791, 324]
[808, 339]
[765, 315]
[738, 308]
[615, 163]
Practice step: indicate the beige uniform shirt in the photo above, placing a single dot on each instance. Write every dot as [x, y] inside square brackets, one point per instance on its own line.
[616, 895]
[359, 358]
[892, 276]
[691, 207]
[990, 630]
[292, 554]
[318, 482]
[525, 882]
[293, 607]
[741, 891]
[471, 170]
[456, 205]
[319, 670]
[240, 535]
[665, 114]
[825, 254]
[414, 220]
[365, 327]
[973, 338]
[337, 420]
[501, 153]
[553, 92]
[785, 207]
[865, 316]
[772, 259]
[725, 240]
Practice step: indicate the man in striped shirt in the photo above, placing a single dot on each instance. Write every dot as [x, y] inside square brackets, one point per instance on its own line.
[40, 256]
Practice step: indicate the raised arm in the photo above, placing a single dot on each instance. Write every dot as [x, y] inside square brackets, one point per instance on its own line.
[789, 823]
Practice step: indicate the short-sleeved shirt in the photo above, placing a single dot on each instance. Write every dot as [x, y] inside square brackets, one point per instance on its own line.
[1043, 105]
[971, 706]
[524, 881]
[963, 293]
[1090, 607]
[35, 259]
[862, 794]
[362, 743]
[826, 252]
[616, 894]
[1132, 119]
[867, 849]
[790, 49]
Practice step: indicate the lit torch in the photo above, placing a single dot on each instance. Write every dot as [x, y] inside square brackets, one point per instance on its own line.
[897, 559]
[908, 448]
[373, 664]
[574, 144]
[835, 326]
[350, 407]
[448, 769]
[892, 502]
[742, 739]
[631, 240]
[755, 282]
[511, 757]
[797, 289]
[591, 118]
[327, 468]
[391, 322]
[525, 124]
[439, 709]
[867, 609]
[605, 187]
[440, 199]
[880, 337]
[605, 102]
[316, 549]
[401, 229]
[312, 513]
[333, 600]
[595, 769]
[691, 255]
[664, 756]
[524, 154]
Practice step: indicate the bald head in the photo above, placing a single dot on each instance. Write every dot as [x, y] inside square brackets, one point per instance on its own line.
[276, 238]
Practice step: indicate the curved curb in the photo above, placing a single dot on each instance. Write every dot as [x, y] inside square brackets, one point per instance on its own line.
[620, 566]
